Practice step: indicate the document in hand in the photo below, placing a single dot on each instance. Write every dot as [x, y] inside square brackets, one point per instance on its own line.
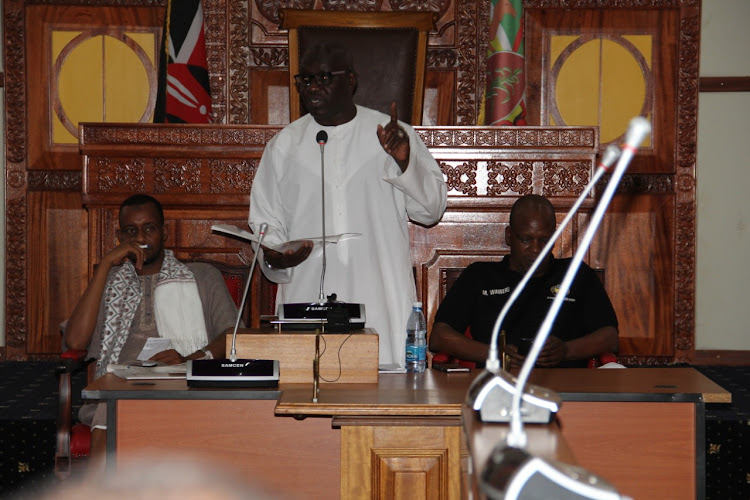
[287, 245]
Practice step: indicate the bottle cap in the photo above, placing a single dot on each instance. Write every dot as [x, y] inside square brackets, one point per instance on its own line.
[416, 304]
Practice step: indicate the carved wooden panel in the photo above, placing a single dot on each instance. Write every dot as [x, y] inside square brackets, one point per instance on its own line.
[203, 176]
[409, 461]
[654, 211]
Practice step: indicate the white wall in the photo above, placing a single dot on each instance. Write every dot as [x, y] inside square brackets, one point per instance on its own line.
[723, 176]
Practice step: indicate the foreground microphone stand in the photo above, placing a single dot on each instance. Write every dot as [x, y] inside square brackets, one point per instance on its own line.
[233, 372]
[512, 473]
[322, 139]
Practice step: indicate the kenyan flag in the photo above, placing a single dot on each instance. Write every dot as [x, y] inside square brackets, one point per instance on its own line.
[184, 93]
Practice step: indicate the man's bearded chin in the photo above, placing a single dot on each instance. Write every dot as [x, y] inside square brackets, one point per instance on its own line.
[150, 259]
[153, 258]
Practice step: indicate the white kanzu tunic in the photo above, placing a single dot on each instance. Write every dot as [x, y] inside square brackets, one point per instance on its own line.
[366, 193]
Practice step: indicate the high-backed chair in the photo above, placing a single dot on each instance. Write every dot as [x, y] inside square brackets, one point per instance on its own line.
[389, 50]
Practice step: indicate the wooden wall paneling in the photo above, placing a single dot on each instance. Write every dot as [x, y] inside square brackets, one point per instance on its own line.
[242, 37]
[57, 275]
[269, 97]
[42, 91]
[635, 246]
[614, 25]
[487, 169]
[439, 98]
[662, 176]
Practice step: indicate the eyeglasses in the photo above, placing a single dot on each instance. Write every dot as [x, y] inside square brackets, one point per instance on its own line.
[322, 78]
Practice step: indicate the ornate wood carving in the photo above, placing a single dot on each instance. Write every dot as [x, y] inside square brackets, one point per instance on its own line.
[15, 276]
[232, 174]
[15, 82]
[54, 180]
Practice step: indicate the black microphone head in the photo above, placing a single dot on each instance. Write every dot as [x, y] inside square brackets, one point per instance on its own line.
[322, 137]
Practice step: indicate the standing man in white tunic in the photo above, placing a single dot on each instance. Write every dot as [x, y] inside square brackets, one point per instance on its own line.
[378, 175]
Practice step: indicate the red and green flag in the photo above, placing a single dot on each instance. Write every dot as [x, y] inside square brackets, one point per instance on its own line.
[184, 92]
[504, 100]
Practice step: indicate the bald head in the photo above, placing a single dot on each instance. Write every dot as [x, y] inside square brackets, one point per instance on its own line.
[532, 204]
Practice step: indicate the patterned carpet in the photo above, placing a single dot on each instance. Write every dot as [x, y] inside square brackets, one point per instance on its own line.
[728, 435]
[28, 408]
[28, 411]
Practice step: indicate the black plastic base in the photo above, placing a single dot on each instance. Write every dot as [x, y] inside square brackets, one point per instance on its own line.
[227, 373]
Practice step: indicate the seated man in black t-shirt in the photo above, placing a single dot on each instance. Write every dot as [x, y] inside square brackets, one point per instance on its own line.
[586, 325]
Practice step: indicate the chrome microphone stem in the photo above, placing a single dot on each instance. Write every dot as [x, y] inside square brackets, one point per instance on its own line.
[322, 296]
[638, 129]
[261, 235]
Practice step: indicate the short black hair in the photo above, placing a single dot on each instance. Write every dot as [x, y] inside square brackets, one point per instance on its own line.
[140, 199]
[329, 52]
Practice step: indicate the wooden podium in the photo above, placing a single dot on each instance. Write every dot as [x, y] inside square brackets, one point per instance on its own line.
[346, 358]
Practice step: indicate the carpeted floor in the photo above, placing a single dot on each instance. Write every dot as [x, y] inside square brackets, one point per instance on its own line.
[728, 435]
[28, 410]
[28, 413]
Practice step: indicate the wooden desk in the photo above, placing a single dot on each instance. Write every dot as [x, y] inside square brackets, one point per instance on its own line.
[544, 441]
[641, 429]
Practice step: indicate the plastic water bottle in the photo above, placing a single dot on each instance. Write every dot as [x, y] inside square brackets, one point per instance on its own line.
[416, 340]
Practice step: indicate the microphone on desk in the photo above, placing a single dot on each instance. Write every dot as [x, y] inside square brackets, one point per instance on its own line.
[327, 313]
[233, 372]
[261, 234]
[322, 139]
[512, 473]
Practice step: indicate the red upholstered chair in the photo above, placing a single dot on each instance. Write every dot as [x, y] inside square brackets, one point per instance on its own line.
[443, 357]
[74, 441]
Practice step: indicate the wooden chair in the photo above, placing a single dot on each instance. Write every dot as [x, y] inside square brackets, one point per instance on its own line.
[389, 50]
[74, 440]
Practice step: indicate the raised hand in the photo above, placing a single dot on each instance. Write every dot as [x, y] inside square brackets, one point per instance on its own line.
[395, 140]
[127, 249]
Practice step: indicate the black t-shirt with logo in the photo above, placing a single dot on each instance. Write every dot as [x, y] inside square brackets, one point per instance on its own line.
[478, 295]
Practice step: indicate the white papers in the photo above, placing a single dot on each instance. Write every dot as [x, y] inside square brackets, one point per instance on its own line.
[287, 245]
[391, 368]
[154, 345]
[133, 372]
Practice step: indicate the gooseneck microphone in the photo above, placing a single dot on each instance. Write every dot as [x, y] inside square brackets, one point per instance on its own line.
[512, 473]
[638, 129]
[261, 235]
[322, 139]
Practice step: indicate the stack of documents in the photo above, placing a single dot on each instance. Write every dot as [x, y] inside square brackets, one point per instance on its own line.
[135, 371]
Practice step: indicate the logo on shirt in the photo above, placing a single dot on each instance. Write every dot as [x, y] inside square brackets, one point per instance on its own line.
[496, 291]
[555, 289]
